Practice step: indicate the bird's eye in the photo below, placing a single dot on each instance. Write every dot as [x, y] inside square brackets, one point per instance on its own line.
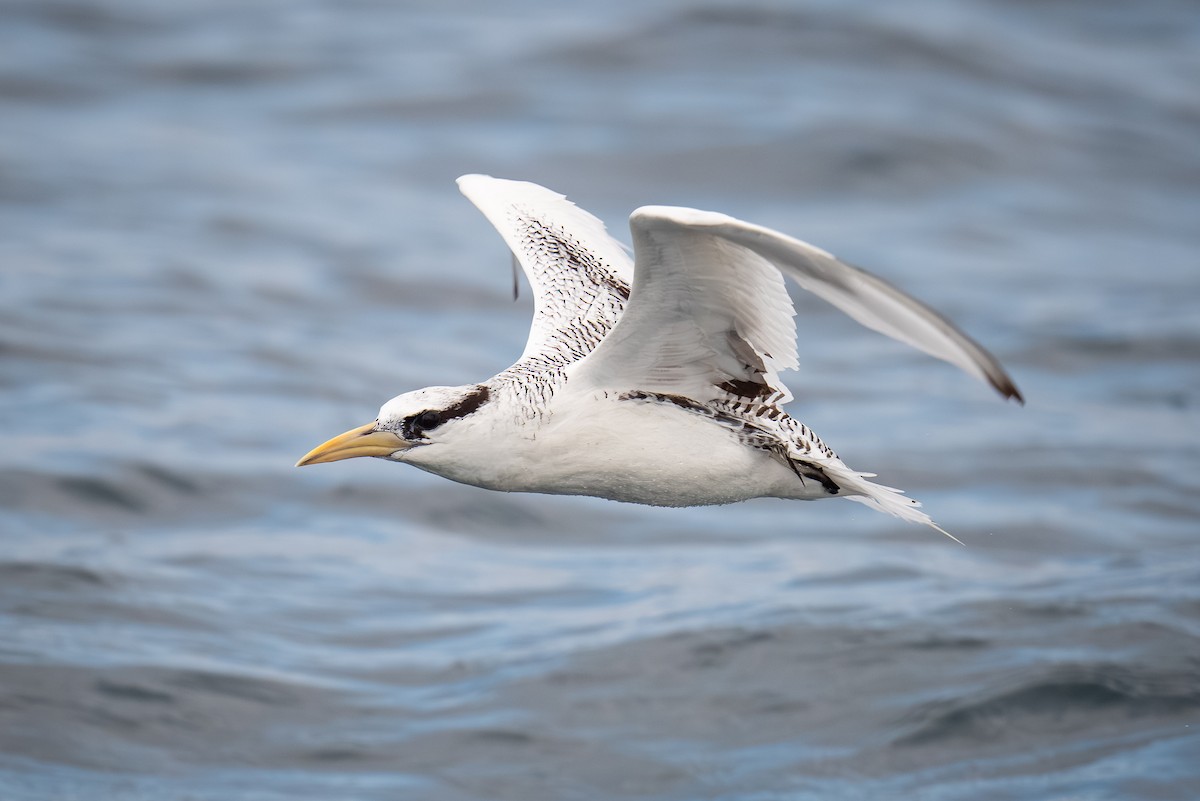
[427, 420]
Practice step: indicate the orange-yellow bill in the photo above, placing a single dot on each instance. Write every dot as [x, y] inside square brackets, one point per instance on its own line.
[361, 441]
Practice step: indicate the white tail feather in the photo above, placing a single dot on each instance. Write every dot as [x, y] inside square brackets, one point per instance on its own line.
[890, 500]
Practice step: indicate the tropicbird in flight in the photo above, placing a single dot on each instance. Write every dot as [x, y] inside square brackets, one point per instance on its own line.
[655, 379]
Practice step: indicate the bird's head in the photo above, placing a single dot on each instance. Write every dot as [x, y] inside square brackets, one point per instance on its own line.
[406, 423]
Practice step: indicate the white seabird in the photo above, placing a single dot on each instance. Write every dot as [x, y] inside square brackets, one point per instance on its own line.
[653, 380]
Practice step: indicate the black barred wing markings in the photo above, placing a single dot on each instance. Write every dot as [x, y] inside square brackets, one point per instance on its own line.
[579, 297]
[580, 275]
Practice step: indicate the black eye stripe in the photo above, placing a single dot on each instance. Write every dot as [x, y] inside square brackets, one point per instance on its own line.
[469, 404]
[415, 427]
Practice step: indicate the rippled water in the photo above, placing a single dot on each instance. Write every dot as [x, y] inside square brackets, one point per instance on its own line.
[229, 230]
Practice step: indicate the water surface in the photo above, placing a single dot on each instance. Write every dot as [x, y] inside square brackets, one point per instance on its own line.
[228, 231]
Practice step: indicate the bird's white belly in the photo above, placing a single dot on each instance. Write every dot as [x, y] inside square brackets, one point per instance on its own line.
[636, 452]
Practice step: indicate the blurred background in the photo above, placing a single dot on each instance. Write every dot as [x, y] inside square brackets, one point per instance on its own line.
[230, 230]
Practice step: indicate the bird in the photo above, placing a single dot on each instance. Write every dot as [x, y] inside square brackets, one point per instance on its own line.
[652, 375]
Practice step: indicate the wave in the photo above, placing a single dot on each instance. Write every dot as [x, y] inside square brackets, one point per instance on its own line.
[1062, 699]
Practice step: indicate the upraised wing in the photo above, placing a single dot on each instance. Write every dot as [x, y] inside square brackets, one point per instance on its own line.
[579, 274]
[709, 317]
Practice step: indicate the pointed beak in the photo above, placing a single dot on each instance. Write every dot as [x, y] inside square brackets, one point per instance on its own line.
[362, 441]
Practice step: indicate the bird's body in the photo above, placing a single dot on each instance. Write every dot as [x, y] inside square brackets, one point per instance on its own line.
[639, 450]
[653, 380]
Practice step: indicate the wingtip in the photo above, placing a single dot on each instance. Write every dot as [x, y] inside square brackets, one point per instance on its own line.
[483, 190]
[1015, 393]
[1009, 390]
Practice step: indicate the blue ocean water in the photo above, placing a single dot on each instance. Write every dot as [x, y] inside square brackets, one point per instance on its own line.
[230, 230]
